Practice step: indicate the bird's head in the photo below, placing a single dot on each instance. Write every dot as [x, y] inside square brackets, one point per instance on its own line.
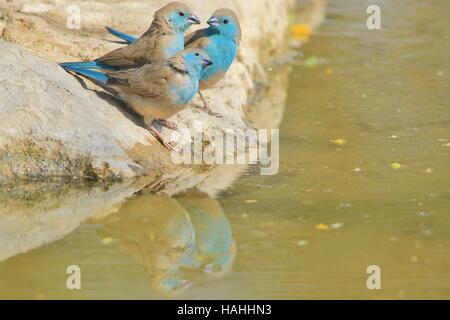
[177, 16]
[196, 59]
[226, 22]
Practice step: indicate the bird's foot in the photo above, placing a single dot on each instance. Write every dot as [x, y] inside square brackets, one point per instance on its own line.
[168, 124]
[160, 138]
[206, 109]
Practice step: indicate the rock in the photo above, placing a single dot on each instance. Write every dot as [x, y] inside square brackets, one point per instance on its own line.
[31, 216]
[53, 127]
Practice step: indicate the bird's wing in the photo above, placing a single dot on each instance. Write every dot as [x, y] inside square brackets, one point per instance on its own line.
[150, 81]
[133, 55]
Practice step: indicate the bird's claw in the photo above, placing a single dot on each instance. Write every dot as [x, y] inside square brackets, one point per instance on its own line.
[160, 138]
[168, 124]
[205, 107]
[209, 111]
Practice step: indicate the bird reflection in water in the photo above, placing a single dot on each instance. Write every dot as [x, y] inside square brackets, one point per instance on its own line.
[175, 239]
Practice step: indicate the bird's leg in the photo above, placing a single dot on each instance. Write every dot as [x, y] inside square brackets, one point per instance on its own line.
[153, 126]
[168, 124]
[205, 107]
[160, 138]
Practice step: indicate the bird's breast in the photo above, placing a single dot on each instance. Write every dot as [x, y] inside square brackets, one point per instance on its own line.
[183, 90]
[172, 45]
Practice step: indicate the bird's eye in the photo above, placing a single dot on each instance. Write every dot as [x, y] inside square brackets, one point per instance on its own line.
[225, 21]
[181, 14]
[197, 54]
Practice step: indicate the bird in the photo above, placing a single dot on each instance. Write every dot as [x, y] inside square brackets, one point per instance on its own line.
[155, 91]
[220, 41]
[163, 40]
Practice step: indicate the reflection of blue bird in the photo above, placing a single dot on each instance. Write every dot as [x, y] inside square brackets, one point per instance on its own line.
[214, 236]
[155, 91]
[220, 41]
[163, 40]
[157, 232]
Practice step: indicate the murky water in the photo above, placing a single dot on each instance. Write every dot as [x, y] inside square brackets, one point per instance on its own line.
[364, 180]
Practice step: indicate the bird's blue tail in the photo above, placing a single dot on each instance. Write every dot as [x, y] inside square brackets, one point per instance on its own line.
[86, 65]
[95, 76]
[125, 37]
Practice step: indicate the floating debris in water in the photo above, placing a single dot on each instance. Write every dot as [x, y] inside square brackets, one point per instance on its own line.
[251, 201]
[337, 225]
[329, 71]
[429, 170]
[245, 216]
[339, 141]
[392, 239]
[301, 31]
[396, 166]
[311, 62]
[106, 241]
[424, 214]
[303, 243]
[440, 73]
[345, 205]
[357, 170]
[322, 227]
[414, 259]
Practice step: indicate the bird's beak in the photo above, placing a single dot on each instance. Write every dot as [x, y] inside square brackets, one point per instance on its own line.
[193, 19]
[213, 21]
[207, 62]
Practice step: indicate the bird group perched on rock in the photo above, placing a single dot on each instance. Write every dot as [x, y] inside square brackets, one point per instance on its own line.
[159, 73]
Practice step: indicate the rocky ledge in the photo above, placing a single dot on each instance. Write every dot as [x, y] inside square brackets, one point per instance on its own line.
[53, 125]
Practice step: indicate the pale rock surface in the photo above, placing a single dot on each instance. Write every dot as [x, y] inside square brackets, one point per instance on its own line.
[51, 126]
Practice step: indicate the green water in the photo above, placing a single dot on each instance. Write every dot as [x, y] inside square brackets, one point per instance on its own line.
[378, 196]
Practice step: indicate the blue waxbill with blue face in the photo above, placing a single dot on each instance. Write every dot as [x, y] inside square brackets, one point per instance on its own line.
[220, 41]
[155, 91]
[163, 40]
